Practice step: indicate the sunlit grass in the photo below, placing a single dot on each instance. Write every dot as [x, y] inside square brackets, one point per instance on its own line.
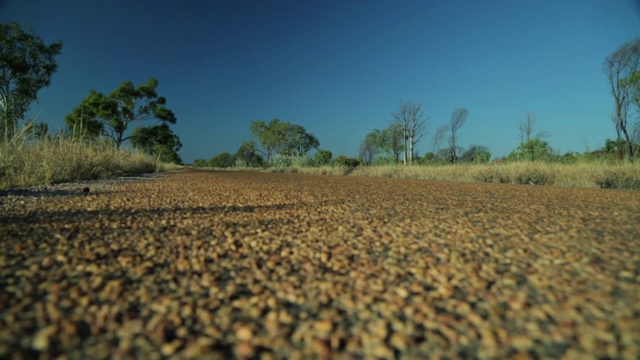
[50, 161]
[623, 175]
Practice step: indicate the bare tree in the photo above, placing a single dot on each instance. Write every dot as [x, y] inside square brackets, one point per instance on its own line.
[527, 127]
[458, 118]
[438, 137]
[411, 118]
[618, 67]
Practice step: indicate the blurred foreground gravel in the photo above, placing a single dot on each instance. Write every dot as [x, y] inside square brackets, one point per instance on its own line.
[269, 266]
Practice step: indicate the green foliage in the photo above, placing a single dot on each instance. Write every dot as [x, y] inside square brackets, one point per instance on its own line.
[247, 155]
[476, 154]
[223, 160]
[531, 150]
[323, 157]
[302, 161]
[112, 114]
[283, 138]
[158, 140]
[342, 160]
[281, 162]
[200, 163]
[26, 66]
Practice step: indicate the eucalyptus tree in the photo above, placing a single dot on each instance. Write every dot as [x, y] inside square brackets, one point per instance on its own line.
[26, 66]
[111, 115]
[621, 68]
[283, 138]
[158, 140]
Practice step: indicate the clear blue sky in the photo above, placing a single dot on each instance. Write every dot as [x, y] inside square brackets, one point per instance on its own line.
[339, 68]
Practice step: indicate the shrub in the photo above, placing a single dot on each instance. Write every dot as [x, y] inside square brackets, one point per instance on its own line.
[619, 177]
[301, 161]
[347, 162]
[281, 162]
[323, 157]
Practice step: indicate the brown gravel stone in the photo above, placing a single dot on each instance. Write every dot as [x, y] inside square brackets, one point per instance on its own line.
[271, 266]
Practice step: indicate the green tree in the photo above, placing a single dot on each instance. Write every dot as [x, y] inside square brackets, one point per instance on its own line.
[223, 160]
[247, 154]
[323, 157]
[283, 138]
[531, 150]
[26, 66]
[201, 163]
[84, 121]
[158, 140]
[391, 141]
[371, 146]
[116, 111]
[476, 154]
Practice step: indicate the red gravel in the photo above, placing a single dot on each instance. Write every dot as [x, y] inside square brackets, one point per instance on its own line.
[197, 264]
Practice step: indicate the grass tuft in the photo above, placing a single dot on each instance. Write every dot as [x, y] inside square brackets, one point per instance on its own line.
[58, 160]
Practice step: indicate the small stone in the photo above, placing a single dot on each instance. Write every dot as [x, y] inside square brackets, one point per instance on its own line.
[244, 333]
[323, 326]
[41, 339]
[244, 349]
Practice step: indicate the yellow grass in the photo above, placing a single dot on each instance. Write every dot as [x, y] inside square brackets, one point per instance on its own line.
[49, 161]
[623, 175]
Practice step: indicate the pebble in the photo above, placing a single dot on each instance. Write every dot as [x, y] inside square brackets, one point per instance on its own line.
[270, 266]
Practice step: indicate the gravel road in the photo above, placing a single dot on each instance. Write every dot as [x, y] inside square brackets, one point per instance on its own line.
[260, 265]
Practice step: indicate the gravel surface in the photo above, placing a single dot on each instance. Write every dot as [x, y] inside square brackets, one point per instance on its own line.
[269, 266]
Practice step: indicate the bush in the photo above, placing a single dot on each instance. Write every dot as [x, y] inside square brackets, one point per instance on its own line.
[301, 161]
[349, 164]
[323, 157]
[619, 178]
[280, 162]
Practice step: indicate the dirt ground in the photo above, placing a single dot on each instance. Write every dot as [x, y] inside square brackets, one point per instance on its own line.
[268, 266]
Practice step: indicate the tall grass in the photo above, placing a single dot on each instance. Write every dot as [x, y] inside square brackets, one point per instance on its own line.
[598, 174]
[48, 161]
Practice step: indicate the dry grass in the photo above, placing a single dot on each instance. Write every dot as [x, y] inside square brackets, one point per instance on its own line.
[49, 161]
[624, 175]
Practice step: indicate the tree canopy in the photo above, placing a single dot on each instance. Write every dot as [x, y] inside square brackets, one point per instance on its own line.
[159, 141]
[111, 115]
[283, 138]
[26, 66]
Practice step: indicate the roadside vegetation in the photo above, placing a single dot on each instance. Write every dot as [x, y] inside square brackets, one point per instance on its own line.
[391, 151]
[99, 141]
[50, 160]
[105, 137]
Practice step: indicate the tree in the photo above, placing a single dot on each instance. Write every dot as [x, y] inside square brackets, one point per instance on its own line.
[392, 138]
[323, 157]
[247, 154]
[458, 118]
[116, 111]
[84, 120]
[476, 154]
[283, 138]
[410, 118]
[527, 128]
[223, 160]
[158, 140]
[620, 68]
[531, 150]
[371, 146]
[438, 137]
[26, 66]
